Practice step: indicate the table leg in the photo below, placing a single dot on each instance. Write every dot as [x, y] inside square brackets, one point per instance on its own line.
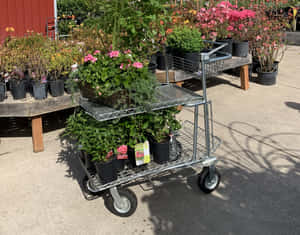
[37, 134]
[244, 74]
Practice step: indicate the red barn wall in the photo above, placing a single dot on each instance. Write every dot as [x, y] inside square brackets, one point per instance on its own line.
[24, 15]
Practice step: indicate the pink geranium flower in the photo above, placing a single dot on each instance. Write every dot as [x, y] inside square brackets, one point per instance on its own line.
[96, 52]
[114, 54]
[138, 65]
[122, 66]
[127, 52]
[122, 149]
[91, 58]
[230, 28]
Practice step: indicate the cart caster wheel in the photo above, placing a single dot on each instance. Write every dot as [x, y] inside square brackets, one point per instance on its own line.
[86, 187]
[129, 203]
[207, 184]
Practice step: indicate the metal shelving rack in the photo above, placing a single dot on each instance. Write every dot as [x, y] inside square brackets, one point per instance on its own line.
[197, 146]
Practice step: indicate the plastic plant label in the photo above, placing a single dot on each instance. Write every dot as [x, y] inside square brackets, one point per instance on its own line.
[142, 153]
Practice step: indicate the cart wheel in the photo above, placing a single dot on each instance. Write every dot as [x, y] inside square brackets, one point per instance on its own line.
[206, 183]
[86, 187]
[129, 203]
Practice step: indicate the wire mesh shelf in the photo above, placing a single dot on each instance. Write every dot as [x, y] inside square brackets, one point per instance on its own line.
[167, 96]
[185, 158]
[212, 68]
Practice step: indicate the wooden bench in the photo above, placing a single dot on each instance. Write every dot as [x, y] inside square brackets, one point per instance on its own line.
[178, 76]
[35, 109]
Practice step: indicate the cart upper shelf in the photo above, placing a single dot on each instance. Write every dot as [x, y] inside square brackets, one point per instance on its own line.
[167, 96]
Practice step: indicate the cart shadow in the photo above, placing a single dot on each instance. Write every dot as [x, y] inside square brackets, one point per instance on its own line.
[293, 105]
[69, 155]
[258, 193]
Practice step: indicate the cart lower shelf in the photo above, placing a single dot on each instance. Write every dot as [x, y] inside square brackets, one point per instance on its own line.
[185, 138]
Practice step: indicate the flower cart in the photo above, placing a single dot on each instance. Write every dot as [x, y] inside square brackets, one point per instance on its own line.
[189, 145]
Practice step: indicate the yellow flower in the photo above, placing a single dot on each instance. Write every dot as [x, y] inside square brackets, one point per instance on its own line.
[186, 21]
[7, 29]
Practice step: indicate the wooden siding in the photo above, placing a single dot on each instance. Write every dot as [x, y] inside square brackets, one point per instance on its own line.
[24, 15]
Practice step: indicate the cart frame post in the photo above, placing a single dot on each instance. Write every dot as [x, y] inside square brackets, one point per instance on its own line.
[205, 106]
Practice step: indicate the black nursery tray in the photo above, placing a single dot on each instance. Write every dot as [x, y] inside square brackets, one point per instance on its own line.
[167, 96]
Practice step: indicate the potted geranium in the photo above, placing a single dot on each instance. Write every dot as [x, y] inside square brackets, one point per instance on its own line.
[99, 140]
[116, 79]
[186, 42]
[160, 125]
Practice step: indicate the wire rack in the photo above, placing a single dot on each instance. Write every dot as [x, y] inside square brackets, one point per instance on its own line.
[166, 96]
[212, 68]
[184, 138]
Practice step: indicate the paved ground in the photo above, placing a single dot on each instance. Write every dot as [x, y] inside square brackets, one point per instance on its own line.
[259, 163]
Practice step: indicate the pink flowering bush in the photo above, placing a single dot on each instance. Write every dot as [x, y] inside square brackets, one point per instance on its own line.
[116, 72]
[267, 38]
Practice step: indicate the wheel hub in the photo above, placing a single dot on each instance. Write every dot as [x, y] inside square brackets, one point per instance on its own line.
[122, 207]
[211, 182]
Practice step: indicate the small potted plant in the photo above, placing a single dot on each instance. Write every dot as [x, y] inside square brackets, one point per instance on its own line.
[187, 43]
[241, 23]
[14, 68]
[161, 125]
[98, 140]
[2, 78]
[38, 72]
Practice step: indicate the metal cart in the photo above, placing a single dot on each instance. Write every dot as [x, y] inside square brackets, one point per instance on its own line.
[195, 147]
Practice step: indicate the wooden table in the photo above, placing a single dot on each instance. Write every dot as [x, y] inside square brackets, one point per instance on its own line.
[34, 109]
[179, 76]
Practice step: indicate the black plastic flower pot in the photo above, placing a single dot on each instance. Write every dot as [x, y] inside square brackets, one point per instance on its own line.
[131, 156]
[2, 91]
[39, 90]
[191, 61]
[266, 78]
[119, 164]
[228, 48]
[161, 151]
[106, 171]
[152, 68]
[161, 61]
[18, 89]
[240, 49]
[56, 87]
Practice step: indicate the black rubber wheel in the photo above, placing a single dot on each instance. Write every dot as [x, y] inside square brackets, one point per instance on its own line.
[130, 201]
[86, 186]
[207, 184]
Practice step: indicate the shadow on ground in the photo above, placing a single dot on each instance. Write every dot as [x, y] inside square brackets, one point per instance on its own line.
[21, 126]
[293, 105]
[259, 192]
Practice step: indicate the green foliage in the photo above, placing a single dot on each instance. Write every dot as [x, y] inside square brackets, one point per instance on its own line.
[185, 39]
[138, 23]
[98, 138]
[108, 76]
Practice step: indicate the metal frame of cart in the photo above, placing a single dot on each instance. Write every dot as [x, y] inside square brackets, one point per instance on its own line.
[123, 202]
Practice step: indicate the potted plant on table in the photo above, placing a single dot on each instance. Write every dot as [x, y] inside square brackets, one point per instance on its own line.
[38, 72]
[2, 77]
[187, 43]
[241, 23]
